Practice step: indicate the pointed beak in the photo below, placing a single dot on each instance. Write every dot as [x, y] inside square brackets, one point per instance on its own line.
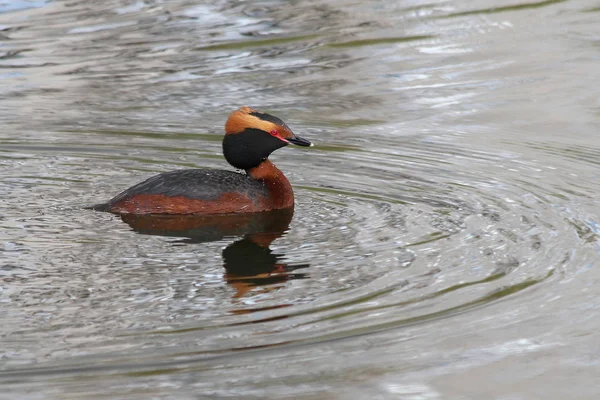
[297, 140]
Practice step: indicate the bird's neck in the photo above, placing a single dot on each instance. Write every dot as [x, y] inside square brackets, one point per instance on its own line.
[280, 190]
[266, 170]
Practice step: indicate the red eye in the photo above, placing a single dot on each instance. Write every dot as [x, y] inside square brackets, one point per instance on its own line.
[274, 133]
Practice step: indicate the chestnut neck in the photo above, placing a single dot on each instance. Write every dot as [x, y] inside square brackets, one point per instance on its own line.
[266, 170]
[280, 190]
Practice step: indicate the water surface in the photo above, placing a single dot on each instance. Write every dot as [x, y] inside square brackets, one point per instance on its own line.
[444, 242]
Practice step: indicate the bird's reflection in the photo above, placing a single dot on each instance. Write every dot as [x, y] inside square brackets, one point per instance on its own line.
[248, 262]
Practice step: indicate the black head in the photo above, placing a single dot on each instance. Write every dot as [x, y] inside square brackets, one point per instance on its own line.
[251, 136]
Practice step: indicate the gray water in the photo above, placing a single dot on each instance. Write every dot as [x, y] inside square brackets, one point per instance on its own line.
[445, 239]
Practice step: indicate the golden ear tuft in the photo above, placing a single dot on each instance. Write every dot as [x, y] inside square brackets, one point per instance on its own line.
[246, 109]
[235, 123]
[243, 118]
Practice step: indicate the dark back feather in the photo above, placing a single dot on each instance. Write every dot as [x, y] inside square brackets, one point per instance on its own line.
[201, 184]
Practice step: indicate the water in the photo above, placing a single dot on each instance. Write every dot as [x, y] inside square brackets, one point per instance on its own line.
[445, 240]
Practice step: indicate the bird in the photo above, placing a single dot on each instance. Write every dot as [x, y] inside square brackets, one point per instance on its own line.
[250, 138]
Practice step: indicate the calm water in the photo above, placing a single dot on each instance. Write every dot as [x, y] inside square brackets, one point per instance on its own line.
[445, 241]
